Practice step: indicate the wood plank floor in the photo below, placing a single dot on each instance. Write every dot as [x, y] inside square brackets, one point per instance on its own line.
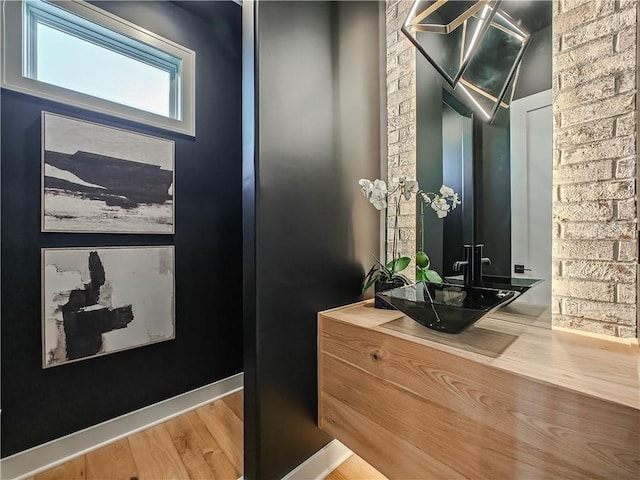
[205, 443]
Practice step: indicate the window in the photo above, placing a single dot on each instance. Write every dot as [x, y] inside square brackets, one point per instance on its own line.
[75, 53]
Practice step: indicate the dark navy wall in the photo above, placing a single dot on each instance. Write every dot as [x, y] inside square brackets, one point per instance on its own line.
[40, 405]
[309, 233]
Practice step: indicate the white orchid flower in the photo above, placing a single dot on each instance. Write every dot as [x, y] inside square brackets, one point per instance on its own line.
[378, 194]
[446, 191]
[380, 185]
[425, 198]
[455, 201]
[410, 186]
[365, 186]
[441, 207]
[379, 204]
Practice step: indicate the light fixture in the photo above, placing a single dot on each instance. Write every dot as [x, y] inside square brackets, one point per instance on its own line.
[448, 32]
[475, 46]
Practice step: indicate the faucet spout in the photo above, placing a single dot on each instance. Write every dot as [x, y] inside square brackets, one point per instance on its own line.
[457, 266]
[472, 264]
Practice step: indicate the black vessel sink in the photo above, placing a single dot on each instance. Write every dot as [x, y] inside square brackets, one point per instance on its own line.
[501, 283]
[448, 307]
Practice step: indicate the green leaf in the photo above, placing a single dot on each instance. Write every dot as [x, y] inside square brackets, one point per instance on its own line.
[421, 276]
[433, 277]
[367, 283]
[422, 260]
[398, 264]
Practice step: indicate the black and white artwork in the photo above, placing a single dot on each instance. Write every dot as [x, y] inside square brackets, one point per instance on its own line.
[102, 300]
[102, 179]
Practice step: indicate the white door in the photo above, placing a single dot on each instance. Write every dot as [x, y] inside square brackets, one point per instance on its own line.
[531, 192]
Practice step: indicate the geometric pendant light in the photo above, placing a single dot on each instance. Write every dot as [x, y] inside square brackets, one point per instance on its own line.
[475, 46]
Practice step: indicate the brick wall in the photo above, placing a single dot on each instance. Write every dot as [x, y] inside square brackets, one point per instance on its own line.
[594, 210]
[401, 121]
[594, 171]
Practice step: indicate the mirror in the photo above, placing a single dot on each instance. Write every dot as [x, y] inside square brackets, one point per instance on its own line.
[488, 163]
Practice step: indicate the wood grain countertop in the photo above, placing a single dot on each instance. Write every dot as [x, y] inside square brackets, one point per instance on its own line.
[518, 339]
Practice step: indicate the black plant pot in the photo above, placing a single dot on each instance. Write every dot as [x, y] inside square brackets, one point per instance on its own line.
[383, 286]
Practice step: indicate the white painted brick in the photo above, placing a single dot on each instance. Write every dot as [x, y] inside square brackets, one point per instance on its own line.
[407, 159]
[595, 270]
[607, 66]
[568, 5]
[583, 13]
[392, 86]
[615, 190]
[626, 81]
[627, 251]
[603, 311]
[583, 172]
[556, 268]
[585, 93]
[583, 249]
[626, 332]
[610, 107]
[626, 293]
[626, 39]
[585, 325]
[401, 147]
[626, 124]
[607, 25]
[407, 80]
[583, 133]
[400, 96]
[603, 47]
[626, 209]
[599, 230]
[408, 132]
[400, 121]
[612, 148]
[407, 105]
[392, 38]
[626, 168]
[599, 291]
[586, 211]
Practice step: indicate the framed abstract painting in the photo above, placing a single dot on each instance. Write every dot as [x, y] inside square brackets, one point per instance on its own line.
[101, 179]
[101, 300]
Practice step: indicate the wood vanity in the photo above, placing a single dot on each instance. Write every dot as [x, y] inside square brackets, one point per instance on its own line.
[506, 399]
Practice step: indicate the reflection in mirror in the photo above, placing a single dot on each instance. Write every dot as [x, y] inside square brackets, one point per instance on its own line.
[455, 150]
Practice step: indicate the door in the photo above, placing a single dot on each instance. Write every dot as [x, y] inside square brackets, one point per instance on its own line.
[531, 192]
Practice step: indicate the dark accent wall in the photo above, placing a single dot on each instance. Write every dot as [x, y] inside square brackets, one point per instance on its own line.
[456, 160]
[429, 155]
[535, 71]
[309, 234]
[40, 405]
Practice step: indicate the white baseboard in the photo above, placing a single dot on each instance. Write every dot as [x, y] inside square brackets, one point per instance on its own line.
[30, 462]
[321, 463]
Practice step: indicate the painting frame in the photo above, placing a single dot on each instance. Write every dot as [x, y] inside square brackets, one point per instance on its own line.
[44, 301]
[92, 203]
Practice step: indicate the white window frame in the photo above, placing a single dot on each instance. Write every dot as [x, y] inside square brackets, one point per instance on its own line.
[15, 58]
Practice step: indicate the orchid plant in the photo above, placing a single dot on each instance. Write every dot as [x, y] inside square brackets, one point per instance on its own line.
[380, 197]
[442, 203]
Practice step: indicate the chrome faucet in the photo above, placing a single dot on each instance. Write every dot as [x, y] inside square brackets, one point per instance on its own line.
[472, 264]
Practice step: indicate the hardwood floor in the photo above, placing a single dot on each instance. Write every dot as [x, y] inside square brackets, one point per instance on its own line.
[355, 468]
[205, 443]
